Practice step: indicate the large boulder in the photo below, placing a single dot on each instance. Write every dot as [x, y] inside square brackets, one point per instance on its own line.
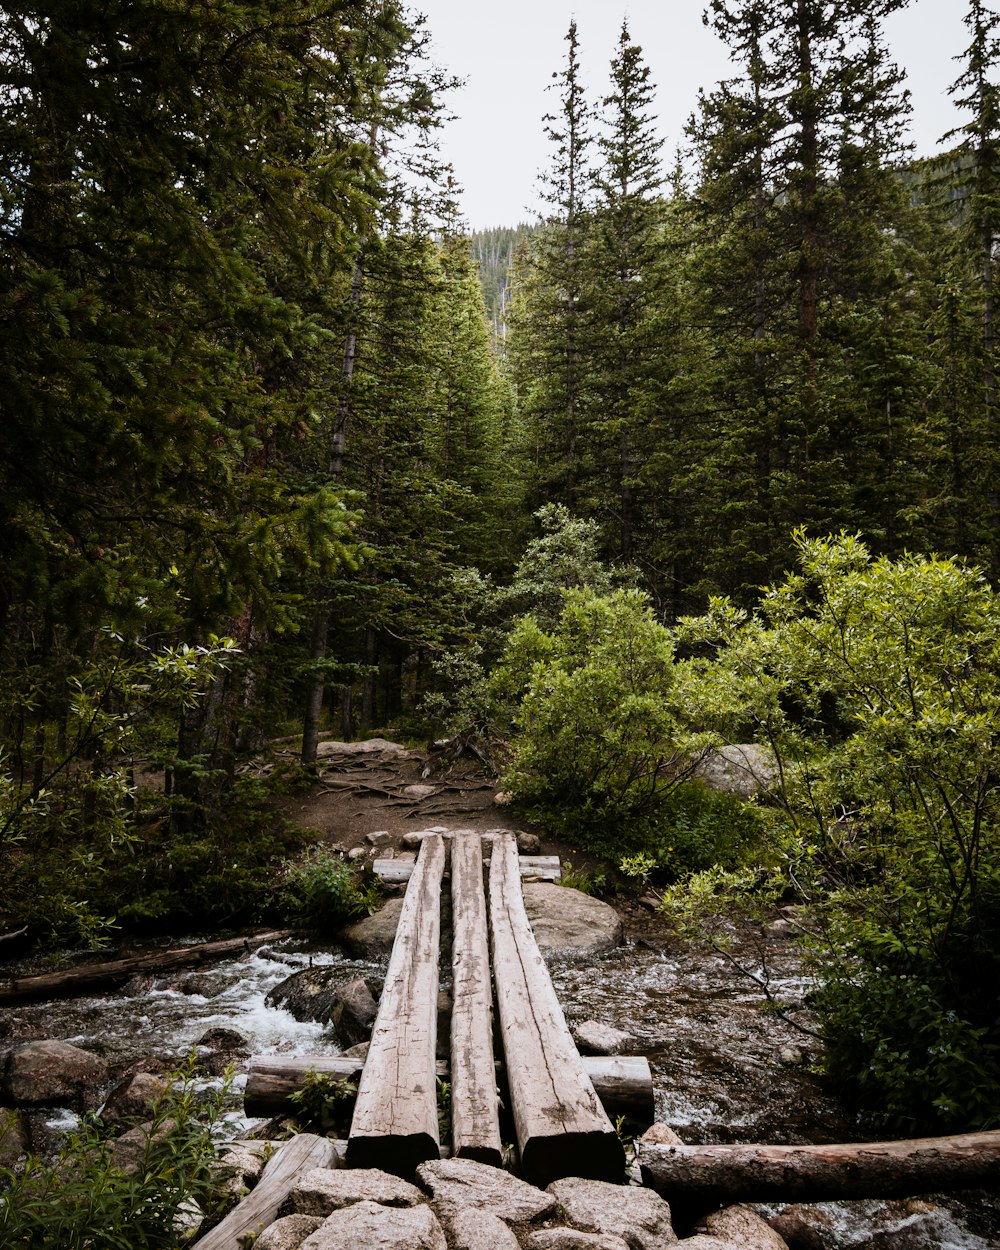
[372, 936]
[639, 1216]
[743, 769]
[568, 922]
[133, 1100]
[53, 1074]
[288, 1233]
[326, 996]
[464, 1185]
[322, 1191]
[376, 1227]
[369, 749]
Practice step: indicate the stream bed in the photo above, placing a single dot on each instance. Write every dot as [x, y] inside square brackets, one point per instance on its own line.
[725, 1067]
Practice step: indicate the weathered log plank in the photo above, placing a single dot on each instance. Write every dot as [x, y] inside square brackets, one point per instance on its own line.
[561, 1127]
[105, 977]
[260, 1207]
[475, 1115]
[395, 1125]
[541, 867]
[623, 1083]
[706, 1176]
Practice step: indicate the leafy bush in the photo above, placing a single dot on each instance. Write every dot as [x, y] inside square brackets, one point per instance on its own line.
[877, 683]
[322, 891]
[84, 1201]
[322, 1100]
[596, 724]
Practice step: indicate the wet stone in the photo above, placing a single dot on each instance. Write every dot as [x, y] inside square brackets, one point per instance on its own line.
[594, 1038]
[132, 1101]
[53, 1074]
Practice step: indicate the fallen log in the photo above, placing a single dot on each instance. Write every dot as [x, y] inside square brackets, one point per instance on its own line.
[109, 976]
[623, 1083]
[562, 1129]
[395, 1124]
[260, 1208]
[707, 1176]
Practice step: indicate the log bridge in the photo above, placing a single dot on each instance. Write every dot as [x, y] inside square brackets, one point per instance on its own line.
[561, 1125]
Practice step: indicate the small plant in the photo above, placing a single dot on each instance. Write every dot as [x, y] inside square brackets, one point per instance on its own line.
[322, 1098]
[91, 1199]
[444, 1108]
[324, 892]
[582, 879]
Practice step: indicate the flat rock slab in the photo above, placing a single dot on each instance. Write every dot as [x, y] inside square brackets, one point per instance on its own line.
[372, 936]
[369, 1226]
[639, 1216]
[573, 1239]
[53, 1074]
[288, 1233]
[594, 1038]
[325, 1190]
[464, 1185]
[568, 922]
[479, 1230]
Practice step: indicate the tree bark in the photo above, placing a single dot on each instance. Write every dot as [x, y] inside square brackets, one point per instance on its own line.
[707, 1176]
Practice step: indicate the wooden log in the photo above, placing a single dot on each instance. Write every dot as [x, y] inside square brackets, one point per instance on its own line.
[541, 867]
[475, 1113]
[707, 1176]
[623, 1083]
[105, 977]
[395, 1125]
[260, 1207]
[561, 1127]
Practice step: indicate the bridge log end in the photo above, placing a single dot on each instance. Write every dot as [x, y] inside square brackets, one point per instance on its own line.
[401, 1155]
[591, 1156]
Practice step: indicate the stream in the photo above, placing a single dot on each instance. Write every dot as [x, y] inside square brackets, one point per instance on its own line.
[724, 1068]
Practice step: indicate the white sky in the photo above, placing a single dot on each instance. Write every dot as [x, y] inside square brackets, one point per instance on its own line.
[507, 52]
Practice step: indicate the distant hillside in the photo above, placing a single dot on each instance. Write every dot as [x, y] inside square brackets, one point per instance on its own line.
[494, 251]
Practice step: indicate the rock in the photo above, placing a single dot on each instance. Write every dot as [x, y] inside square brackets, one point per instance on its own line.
[375, 1227]
[372, 936]
[354, 1012]
[226, 1040]
[13, 1138]
[321, 1191]
[411, 840]
[357, 852]
[379, 839]
[650, 901]
[288, 1233]
[53, 1074]
[187, 1221]
[660, 1134]
[133, 1100]
[419, 791]
[342, 751]
[200, 983]
[529, 844]
[594, 1038]
[573, 1239]
[568, 922]
[479, 1230]
[641, 1217]
[462, 1185]
[703, 1241]
[239, 1169]
[503, 798]
[745, 769]
[743, 1228]
[360, 1051]
[791, 1056]
[129, 1150]
[324, 995]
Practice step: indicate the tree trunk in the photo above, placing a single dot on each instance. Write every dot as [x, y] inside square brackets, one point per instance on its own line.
[709, 1176]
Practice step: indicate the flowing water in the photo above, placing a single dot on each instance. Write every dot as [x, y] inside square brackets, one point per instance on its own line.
[725, 1068]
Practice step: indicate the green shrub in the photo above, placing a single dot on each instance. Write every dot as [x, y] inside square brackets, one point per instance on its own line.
[82, 1201]
[322, 891]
